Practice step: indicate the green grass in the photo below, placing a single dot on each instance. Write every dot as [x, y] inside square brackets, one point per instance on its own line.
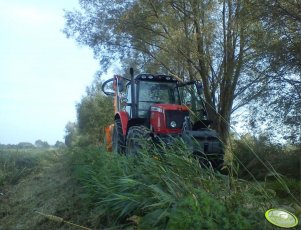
[15, 164]
[39, 180]
[161, 188]
[166, 189]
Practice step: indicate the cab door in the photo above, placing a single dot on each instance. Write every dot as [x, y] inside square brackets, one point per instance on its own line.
[192, 97]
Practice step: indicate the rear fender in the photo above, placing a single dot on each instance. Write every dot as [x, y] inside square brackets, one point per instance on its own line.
[124, 119]
[207, 138]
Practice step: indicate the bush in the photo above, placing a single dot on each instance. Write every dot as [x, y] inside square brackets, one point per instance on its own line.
[259, 157]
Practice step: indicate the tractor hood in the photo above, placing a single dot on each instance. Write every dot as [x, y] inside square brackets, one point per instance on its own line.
[171, 107]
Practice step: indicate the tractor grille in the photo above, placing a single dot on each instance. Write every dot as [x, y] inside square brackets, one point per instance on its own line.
[176, 116]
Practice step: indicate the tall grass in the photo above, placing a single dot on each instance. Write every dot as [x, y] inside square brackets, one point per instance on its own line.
[278, 168]
[15, 164]
[283, 159]
[165, 188]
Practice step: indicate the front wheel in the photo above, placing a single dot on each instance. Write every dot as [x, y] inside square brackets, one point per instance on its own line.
[214, 160]
[118, 139]
[138, 138]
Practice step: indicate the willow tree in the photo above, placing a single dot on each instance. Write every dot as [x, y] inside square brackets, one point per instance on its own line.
[194, 39]
[280, 48]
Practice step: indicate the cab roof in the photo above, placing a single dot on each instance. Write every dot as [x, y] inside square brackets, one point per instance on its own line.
[152, 77]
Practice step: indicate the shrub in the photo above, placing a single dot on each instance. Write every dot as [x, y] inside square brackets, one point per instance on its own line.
[259, 157]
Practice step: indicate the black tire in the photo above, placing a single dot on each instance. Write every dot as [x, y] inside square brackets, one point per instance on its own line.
[217, 160]
[137, 138]
[118, 139]
[214, 160]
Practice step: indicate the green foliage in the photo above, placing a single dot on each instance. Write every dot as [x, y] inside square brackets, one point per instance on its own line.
[276, 42]
[281, 20]
[15, 164]
[94, 112]
[71, 135]
[292, 186]
[208, 213]
[167, 190]
[25, 145]
[41, 144]
[261, 157]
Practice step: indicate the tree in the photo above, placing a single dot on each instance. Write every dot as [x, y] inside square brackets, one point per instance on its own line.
[194, 39]
[94, 112]
[26, 145]
[279, 48]
[71, 131]
[281, 21]
[59, 144]
[41, 144]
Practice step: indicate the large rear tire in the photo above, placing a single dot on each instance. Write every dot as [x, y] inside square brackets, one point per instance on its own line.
[214, 160]
[118, 139]
[137, 139]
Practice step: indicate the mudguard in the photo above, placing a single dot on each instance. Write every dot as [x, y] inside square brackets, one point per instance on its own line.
[205, 144]
[124, 119]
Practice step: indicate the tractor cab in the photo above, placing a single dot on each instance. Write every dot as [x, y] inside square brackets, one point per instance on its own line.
[162, 90]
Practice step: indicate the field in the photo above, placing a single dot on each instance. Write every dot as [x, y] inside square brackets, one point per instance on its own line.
[95, 190]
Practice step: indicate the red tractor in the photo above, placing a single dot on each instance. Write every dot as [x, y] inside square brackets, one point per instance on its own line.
[161, 108]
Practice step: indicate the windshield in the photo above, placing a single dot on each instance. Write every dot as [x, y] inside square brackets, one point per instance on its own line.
[156, 92]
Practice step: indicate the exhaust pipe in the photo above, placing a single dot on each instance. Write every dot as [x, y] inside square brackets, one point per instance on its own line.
[133, 95]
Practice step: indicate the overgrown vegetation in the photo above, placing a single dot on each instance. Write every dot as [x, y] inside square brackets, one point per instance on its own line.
[161, 188]
[253, 155]
[37, 181]
[15, 164]
[277, 167]
[167, 189]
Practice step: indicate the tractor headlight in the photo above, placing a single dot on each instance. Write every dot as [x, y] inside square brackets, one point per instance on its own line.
[173, 124]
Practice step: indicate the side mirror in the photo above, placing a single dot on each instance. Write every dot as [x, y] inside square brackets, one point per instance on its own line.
[108, 88]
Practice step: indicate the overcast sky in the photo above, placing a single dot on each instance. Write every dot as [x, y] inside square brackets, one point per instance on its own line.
[42, 73]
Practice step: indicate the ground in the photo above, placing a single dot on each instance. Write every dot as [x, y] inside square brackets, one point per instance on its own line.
[49, 189]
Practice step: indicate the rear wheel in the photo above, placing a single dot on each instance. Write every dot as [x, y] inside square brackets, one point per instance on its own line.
[214, 160]
[118, 139]
[138, 137]
[217, 160]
